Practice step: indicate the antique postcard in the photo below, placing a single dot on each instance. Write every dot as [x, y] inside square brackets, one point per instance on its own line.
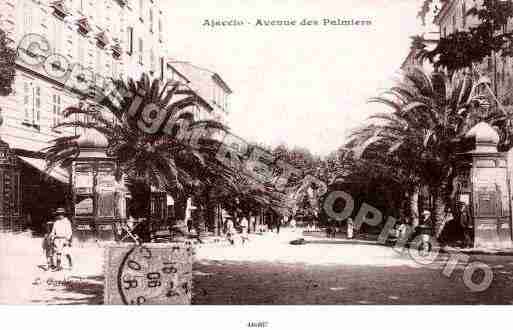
[346, 153]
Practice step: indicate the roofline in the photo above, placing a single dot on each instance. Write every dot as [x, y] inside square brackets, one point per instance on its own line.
[217, 78]
[178, 72]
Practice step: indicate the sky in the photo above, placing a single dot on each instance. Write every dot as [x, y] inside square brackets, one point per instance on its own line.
[304, 86]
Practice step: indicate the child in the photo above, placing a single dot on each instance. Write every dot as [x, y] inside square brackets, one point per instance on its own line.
[48, 250]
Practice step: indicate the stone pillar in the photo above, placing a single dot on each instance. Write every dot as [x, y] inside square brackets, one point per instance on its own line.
[489, 190]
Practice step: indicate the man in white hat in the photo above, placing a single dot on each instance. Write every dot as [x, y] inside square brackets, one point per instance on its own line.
[61, 235]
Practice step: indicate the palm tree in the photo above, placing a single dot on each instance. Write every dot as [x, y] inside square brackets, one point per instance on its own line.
[164, 160]
[430, 116]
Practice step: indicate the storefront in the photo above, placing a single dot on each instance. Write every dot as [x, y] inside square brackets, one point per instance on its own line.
[11, 218]
[28, 193]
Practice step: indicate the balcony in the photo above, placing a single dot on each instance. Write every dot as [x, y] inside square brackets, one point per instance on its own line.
[116, 50]
[83, 26]
[101, 39]
[59, 9]
[122, 3]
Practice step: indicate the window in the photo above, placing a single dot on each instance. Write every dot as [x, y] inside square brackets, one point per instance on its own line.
[151, 20]
[130, 40]
[81, 5]
[114, 32]
[56, 110]
[445, 32]
[141, 9]
[162, 68]
[28, 14]
[37, 106]
[99, 15]
[99, 61]
[115, 73]
[91, 47]
[140, 51]
[81, 55]
[152, 60]
[161, 28]
[57, 36]
[464, 13]
[454, 23]
[31, 104]
[27, 96]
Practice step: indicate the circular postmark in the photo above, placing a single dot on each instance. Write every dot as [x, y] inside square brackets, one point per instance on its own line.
[154, 276]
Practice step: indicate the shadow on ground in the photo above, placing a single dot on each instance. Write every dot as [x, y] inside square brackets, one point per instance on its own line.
[261, 283]
[343, 242]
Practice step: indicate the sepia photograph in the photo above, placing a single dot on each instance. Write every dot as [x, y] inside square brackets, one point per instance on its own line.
[241, 153]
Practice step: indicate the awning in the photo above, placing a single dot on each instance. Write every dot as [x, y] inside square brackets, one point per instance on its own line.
[58, 173]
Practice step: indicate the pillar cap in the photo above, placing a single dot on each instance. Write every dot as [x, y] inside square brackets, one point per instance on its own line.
[92, 139]
[486, 137]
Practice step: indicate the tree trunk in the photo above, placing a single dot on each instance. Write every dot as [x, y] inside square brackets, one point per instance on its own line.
[438, 209]
[180, 205]
[210, 212]
[414, 205]
[206, 216]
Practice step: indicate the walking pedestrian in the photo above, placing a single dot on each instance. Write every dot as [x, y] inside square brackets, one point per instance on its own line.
[467, 224]
[230, 231]
[278, 224]
[350, 228]
[62, 236]
[293, 224]
[253, 222]
[244, 229]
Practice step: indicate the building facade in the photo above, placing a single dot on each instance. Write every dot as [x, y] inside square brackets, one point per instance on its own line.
[88, 42]
[207, 84]
[452, 17]
[486, 179]
[65, 48]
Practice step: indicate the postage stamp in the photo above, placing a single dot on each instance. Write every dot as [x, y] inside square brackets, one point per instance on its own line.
[155, 274]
